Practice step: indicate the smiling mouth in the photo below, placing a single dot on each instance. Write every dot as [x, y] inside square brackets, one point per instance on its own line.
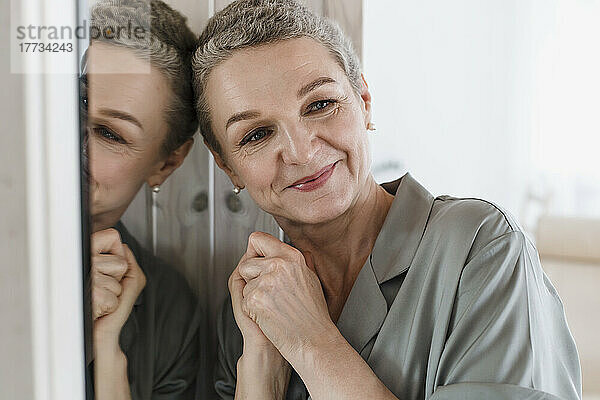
[314, 181]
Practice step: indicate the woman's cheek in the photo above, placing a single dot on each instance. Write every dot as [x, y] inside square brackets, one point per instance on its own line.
[107, 170]
[259, 176]
[348, 136]
[113, 175]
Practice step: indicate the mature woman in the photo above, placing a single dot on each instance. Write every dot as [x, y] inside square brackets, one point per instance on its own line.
[385, 291]
[140, 123]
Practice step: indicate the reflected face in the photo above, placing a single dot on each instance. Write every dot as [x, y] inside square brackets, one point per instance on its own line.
[292, 129]
[126, 128]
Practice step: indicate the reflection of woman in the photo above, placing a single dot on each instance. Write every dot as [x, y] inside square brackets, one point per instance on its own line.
[140, 126]
[388, 292]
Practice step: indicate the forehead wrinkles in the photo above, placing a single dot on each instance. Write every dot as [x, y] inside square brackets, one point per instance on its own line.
[272, 64]
[272, 87]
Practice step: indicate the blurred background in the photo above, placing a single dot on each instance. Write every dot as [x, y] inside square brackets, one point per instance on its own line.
[497, 99]
[500, 100]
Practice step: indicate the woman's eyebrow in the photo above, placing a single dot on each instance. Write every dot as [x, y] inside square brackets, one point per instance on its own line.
[109, 112]
[240, 117]
[304, 90]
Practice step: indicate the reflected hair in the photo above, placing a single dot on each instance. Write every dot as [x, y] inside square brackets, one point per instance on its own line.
[164, 39]
[252, 23]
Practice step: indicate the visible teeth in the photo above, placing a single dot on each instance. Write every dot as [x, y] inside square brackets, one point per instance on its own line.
[299, 186]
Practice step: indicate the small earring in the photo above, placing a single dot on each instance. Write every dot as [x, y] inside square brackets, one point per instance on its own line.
[371, 126]
[155, 190]
[237, 189]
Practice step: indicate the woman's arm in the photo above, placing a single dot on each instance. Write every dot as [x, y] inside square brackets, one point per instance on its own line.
[262, 373]
[331, 369]
[508, 337]
[110, 367]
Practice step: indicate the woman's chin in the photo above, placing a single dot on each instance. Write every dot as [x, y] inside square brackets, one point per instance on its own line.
[318, 211]
[104, 217]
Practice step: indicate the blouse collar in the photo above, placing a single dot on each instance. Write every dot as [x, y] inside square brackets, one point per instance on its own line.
[403, 228]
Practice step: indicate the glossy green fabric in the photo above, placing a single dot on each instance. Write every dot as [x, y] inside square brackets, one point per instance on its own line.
[452, 304]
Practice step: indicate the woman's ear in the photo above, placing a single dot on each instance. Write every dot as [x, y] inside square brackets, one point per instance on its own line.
[235, 180]
[365, 95]
[170, 164]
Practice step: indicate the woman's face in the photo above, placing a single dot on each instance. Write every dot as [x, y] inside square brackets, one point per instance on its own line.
[292, 129]
[126, 129]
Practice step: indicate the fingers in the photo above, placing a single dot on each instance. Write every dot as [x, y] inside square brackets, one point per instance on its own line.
[111, 265]
[133, 282]
[100, 281]
[239, 289]
[249, 288]
[107, 272]
[130, 286]
[262, 244]
[134, 279]
[252, 268]
[116, 309]
[107, 241]
[266, 253]
[248, 305]
[236, 289]
[236, 286]
[104, 302]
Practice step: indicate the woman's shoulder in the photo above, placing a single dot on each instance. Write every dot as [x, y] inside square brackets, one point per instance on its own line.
[472, 220]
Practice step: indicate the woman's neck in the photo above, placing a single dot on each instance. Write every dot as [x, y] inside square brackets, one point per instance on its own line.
[339, 248]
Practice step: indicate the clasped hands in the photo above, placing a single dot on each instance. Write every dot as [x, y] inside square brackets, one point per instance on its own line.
[277, 299]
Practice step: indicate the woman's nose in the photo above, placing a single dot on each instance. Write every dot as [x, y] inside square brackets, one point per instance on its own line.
[298, 146]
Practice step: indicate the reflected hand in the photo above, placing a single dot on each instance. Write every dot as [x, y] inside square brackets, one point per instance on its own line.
[117, 281]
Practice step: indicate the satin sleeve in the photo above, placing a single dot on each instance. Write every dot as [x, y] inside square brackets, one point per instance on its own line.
[508, 336]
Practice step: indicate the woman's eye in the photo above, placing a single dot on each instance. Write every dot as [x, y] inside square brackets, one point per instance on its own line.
[320, 105]
[108, 134]
[255, 136]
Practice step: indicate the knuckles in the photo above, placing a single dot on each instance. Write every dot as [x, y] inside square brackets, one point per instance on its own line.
[101, 281]
[255, 299]
[297, 256]
[113, 234]
[257, 236]
[277, 264]
[109, 233]
[105, 262]
[104, 302]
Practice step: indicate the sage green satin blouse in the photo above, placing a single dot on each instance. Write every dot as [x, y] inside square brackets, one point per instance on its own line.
[452, 304]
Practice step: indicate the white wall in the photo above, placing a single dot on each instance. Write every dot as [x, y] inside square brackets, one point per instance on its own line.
[451, 86]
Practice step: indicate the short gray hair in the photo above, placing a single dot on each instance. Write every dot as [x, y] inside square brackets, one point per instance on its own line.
[251, 23]
[166, 42]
